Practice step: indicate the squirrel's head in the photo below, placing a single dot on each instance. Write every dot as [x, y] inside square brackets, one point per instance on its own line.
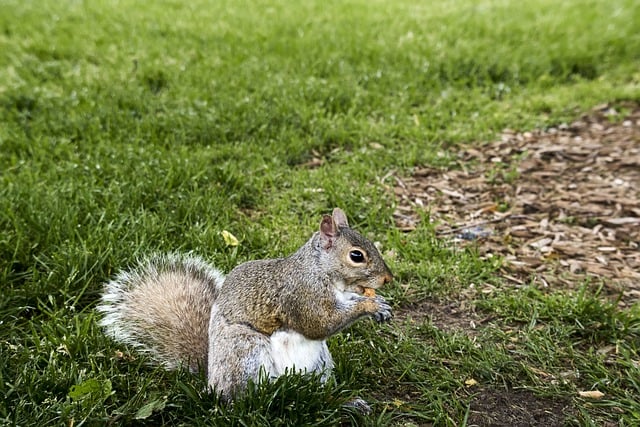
[349, 255]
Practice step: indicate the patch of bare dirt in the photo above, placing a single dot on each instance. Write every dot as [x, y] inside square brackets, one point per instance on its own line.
[509, 408]
[559, 205]
[454, 316]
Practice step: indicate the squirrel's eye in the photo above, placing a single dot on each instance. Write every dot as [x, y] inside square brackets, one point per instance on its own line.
[356, 256]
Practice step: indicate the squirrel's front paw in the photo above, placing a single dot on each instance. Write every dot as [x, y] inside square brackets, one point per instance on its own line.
[383, 312]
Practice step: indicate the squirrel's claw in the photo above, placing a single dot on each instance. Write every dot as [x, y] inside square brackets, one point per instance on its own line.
[384, 313]
[383, 316]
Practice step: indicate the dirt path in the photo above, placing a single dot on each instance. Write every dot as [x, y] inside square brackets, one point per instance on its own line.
[560, 205]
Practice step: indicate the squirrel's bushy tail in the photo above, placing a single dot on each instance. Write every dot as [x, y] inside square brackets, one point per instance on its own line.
[162, 308]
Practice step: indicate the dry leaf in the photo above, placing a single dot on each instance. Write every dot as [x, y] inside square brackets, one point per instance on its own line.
[623, 221]
[539, 372]
[470, 382]
[591, 394]
[229, 239]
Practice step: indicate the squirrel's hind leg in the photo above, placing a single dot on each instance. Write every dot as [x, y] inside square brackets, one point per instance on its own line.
[237, 354]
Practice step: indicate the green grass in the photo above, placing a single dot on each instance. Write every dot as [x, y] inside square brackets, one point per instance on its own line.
[128, 128]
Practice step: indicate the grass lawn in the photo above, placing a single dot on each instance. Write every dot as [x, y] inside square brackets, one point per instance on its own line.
[134, 127]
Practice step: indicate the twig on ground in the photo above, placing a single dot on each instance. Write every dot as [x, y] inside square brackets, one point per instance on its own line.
[480, 223]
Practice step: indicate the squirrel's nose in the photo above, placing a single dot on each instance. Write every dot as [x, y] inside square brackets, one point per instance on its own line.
[387, 278]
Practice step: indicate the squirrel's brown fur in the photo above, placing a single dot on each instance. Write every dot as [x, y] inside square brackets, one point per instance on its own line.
[272, 315]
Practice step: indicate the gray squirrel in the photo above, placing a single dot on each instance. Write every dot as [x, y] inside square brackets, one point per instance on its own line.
[271, 315]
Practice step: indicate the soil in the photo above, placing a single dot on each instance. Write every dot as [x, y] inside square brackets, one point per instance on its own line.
[452, 316]
[560, 206]
[511, 408]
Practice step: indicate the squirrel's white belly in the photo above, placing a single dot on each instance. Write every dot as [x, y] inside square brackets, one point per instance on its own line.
[292, 351]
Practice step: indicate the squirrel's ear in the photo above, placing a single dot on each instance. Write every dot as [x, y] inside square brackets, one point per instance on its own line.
[340, 218]
[328, 231]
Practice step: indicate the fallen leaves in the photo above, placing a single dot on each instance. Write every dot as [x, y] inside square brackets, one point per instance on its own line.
[229, 239]
[558, 205]
[591, 394]
[470, 382]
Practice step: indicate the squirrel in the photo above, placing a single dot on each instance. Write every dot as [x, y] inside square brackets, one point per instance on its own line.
[271, 315]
